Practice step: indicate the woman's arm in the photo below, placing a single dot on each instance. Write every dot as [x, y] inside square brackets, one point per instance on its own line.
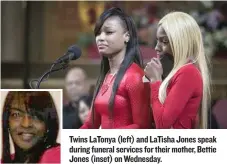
[138, 93]
[184, 84]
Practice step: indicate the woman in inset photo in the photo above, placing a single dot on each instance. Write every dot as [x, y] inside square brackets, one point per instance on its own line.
[31, 120]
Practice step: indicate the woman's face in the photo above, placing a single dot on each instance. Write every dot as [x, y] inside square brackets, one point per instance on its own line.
[111, 38]
[83, 111]
[25, 128]
[162, 46]
[164, 52]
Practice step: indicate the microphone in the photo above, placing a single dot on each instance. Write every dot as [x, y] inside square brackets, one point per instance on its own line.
[73, 53]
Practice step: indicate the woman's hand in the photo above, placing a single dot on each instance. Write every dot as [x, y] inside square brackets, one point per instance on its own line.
[154, 70]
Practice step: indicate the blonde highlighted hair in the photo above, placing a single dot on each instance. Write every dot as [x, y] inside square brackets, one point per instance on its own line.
[186, 42]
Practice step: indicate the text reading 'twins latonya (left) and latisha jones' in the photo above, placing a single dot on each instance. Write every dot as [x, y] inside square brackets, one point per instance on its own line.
[146, 139]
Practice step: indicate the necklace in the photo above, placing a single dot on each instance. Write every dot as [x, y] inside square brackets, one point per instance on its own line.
[106, 85]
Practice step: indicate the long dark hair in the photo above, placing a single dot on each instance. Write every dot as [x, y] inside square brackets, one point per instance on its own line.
[44, 108]
[132, 52]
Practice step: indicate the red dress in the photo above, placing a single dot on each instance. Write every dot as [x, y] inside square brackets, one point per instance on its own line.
[181, 106]
[52, 155]
[131, 107]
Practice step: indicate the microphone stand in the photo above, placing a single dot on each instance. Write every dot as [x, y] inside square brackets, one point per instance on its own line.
[49, 72]
[63, 66]
[72, 54]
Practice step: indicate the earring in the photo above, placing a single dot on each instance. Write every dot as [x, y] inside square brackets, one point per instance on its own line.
[46, 136]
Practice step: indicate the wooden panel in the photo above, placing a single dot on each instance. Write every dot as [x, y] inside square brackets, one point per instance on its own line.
[36, 70]
[219, 69]
[219, 92]
[64, 22]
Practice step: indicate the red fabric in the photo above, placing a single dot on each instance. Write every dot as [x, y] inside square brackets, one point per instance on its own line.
[52, 155]
[131, 109]
[182, 103]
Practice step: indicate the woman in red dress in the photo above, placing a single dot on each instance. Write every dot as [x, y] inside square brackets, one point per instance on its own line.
[31, 119]
[121, 99]
[176, 100]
